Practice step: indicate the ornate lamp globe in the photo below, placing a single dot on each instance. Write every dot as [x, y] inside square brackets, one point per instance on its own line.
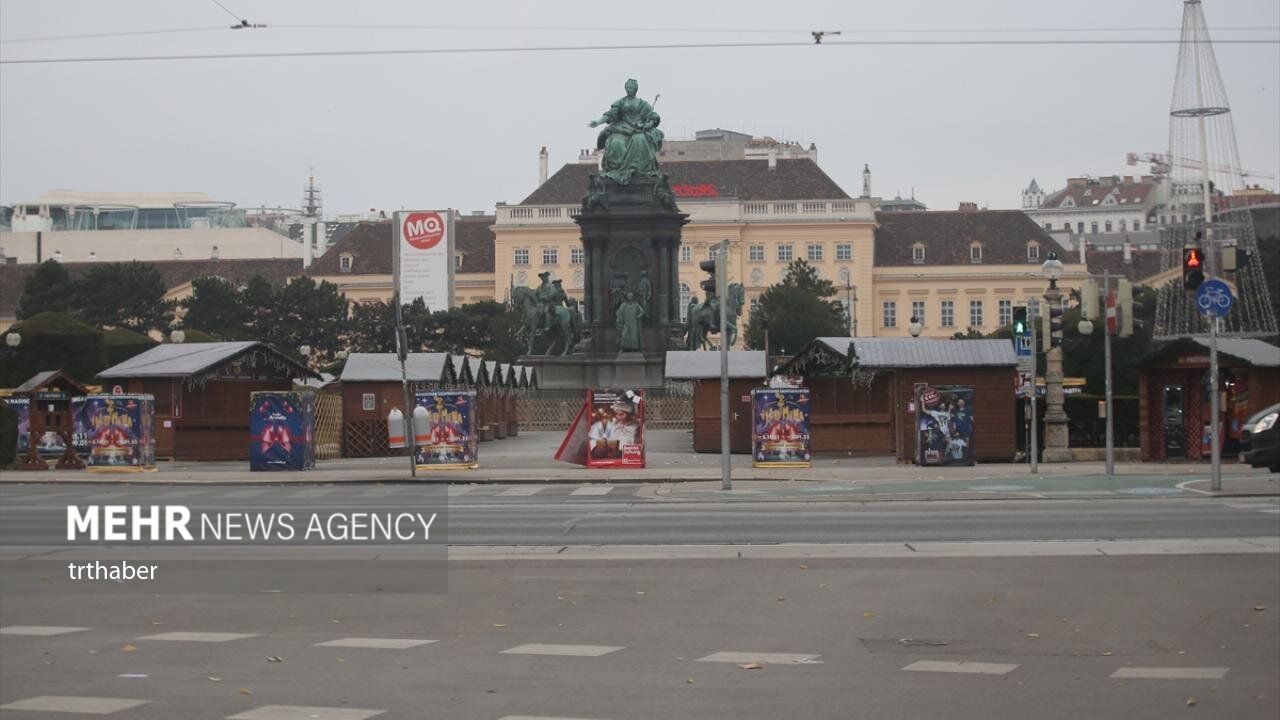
[13, 339]
[1085, 327]
[1052, 269]
[305, 350]
[177, 336]
[916, 327]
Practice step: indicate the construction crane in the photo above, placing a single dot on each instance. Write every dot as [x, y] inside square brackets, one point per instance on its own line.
[1162, 162]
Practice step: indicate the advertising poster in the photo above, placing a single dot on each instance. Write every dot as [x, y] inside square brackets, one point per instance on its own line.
[281, 428]
[424, 257]
[780, 427]
[118, 430]
[449, 439]
[615, 436]
[50, 444]
[945, 422]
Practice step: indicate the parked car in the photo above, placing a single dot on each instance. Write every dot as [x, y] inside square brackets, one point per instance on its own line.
[1260, 439]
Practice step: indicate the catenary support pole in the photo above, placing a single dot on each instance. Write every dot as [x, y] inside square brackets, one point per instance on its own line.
[1033, 307]
[722, 287]
[1106, 351]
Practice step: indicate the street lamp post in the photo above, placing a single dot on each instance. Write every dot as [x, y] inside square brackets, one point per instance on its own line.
[1056, 438]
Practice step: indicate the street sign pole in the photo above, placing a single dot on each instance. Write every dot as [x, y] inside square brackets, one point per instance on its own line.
[1033, 309]
[722, 289]
[1215, 452]
[1106, 351]
[402, 349]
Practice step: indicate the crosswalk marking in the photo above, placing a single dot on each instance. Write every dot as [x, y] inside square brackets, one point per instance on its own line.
[40, 630]
[198, 636]
[564, 650]
[961, 666]
[299, 712]
[71, 704]
[522, 490]
[593, 490]
[1170, 673]
[766, 658]
[375, 643]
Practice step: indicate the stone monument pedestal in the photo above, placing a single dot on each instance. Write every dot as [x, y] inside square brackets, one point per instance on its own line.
[631, 239]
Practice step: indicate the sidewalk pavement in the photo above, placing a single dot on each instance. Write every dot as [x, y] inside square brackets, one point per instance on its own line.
[681, 473]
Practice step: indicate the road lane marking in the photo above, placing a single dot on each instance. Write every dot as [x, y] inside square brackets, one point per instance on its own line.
[1169, 673]
[593, 490]
[563, 650]
[961, 666]
[522, 490]
[247, 493]
[70, 704]
[40, 630]
[538, 717]
[766, 658]
[312, 493]
[199, 636]
[299, 712]
[456, 490]
[378, 643]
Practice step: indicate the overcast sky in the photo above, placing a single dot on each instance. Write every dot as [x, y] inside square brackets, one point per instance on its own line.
[956, 123]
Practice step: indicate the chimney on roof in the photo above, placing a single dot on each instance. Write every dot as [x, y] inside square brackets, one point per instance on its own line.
[968, 206]
[1128, 179]
[813, 152]
[773, 157]
[866, 180]
[542, 166]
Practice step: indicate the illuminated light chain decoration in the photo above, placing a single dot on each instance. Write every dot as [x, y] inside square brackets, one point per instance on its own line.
[254, 358]
[1202, 134]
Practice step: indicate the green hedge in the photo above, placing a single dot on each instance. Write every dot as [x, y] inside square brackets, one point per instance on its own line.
[8, 435]
[121, 344]
[53, 341]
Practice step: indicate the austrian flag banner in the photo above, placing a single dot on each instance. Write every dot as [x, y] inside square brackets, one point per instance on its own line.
[424, 241]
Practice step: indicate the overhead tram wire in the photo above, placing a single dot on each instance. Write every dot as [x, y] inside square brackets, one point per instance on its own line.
[590, 48]
[582, 28]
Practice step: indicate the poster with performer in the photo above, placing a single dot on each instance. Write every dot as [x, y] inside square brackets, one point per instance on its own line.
[945, 425]
[615, 433]
[282, 431]
[446, 437]
[780, 427]
[119, 432]
[50, 444]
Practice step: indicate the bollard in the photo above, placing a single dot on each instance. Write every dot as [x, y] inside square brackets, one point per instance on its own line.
[421, 426]
[395, 428]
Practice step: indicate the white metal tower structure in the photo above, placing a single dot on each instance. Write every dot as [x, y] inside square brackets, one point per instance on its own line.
[1201, 131]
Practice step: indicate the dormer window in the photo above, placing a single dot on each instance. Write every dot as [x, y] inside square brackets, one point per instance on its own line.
[917, 254]
[1069, 202]
[344, 262]
[1033, 252]
[975, 253]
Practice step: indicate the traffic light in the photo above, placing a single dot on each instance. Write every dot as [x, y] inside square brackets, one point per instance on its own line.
[1050, 326]
[709, 285]
[1124, 303]
[1020, 321]
[1192, 268]
[1089, 300]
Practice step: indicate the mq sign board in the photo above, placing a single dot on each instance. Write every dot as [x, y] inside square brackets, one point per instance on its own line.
[424, 257]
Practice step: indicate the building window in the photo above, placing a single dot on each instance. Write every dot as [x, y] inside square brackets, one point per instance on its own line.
[550, 256]
[975, 313]
[685, 294]
[975, 253]
[1048, 227]
[1137, 226]
[521, 256]
[917, 310]
[917, 254]
[814, 253]
[890, 313]
[577, 256]
[755, 253]
[368, 401]
[948, 313]
[1124, 225]
[755, 304]
[784, 253]
[1080, 228]
[344, 263]
[713, 251]
[1093, 228]
[686, 253]
[1033, 252]
[1108, 226]
[844, 251]
[1005, 310]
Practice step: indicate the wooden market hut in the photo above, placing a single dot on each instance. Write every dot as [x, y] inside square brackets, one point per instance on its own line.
[863, 391]
[202, 393]
[371, 387]
[747, 371]
[1173, 394]
[49, 397]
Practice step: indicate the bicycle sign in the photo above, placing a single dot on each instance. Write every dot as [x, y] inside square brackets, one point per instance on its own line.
[1214, 298]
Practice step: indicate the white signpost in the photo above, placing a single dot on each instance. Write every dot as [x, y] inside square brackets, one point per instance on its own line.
[424, 257]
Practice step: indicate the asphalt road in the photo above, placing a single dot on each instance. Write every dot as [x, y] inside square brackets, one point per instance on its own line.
[956, 634]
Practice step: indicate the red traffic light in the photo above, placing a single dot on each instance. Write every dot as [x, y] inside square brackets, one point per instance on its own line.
[1192, 258]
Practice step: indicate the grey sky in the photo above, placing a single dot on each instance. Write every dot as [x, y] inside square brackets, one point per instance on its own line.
[956, 123]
